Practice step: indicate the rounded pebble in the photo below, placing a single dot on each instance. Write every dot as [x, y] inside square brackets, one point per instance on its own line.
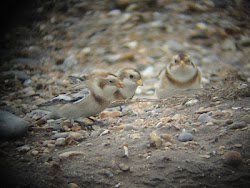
[184, 136]
[60, 142]
[233, 158]
[124, 167]
[238, 125]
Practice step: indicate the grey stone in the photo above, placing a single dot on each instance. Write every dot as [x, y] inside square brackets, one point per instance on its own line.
[84, 133]
[192, 102]
[184, 136]
[11, 125]
[246, 118]
[106, 173]
[124, 167]
[70, 61]
[205, 117]
[94, 134]
[60, 142]
[24, 148]
[24, 61]
[238, 125]
[228, 45]
[128, 128]
[16, 74]
[60, 135]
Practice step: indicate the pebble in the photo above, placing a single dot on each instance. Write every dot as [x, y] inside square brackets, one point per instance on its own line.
[202, 25]
[155, 140]
[33, 52]
[124, 18]
[69, 62]
[84, 133]
[209, 123]
[233, 158]
[115, 12]
[205, 156]
[60, 142]
[34, 152]
[223, 123]
[40, 122]
[131, 45]
[24, 148]
[246, 118]
[205, 81]
[138, 122]
[60, 135]
[167, 137]
[94, 134]
[16, 74]
[238, 145]
[46, 142]
[28, 91]
[205, 117]
[238, 125]
[124, 167]
[192, 102]
[11, 125]
[106, 173]
[51, 145]
[76, 136]
[68, 154]
[128, 128]
[105, 132]
[168, 144]
[228, 44]
[159, 124]
[76, 128]
[24, 61]
[184, 136]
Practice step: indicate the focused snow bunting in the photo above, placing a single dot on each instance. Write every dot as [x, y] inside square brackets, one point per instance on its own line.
[179, 76]
[131, 79]
[87, 98]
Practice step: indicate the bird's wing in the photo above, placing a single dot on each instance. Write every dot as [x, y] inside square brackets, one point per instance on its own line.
[164, 68]
[70, 97]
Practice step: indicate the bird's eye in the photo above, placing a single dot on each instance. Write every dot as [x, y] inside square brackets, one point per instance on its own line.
[110, 81]
[131, 76]
[175, 61]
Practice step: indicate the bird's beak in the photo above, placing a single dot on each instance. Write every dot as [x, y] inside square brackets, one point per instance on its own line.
[120, 84]
[139, 82]
[182, 64]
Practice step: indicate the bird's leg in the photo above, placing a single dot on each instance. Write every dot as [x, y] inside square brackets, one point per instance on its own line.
[95, 121]
[85, 125]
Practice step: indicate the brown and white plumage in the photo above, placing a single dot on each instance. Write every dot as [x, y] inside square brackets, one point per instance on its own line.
[131, 79]
[87, 98]
[179, 75]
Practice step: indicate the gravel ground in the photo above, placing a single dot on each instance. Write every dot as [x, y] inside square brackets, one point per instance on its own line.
[196, 140]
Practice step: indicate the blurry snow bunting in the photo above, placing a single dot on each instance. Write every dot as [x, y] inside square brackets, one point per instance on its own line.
[90, 96]
[179, 76]
[131, 79]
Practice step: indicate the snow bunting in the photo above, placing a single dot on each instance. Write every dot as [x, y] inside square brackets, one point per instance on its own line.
[86, 99]
[181, 74]
[131, 79]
